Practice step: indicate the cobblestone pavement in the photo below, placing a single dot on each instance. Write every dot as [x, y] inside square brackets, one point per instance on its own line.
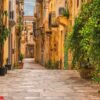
[30, 84]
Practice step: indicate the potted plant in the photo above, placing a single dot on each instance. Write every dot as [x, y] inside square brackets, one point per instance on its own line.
[8, 66]
[3, 36]
[21, 57]
[86, 69]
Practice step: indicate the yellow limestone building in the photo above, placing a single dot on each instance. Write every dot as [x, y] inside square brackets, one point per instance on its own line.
[19, 26]
[49, 34]
[74, 8]
[10, 45]
[5, 5]
[8, 5]
[27, 43]
[52, 28]
[12, 35]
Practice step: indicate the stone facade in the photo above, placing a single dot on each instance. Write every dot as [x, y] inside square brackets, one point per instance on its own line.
[49, 34]
[11, 43]
[27, 42]
[74, 7]
[19, 26]
[12, 35]
[5, 4]
[52, 27]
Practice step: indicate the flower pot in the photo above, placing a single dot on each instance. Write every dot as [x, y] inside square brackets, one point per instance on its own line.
[8, 66]
[20, 65]
[6, 69]
[86, 73]
[3, 71]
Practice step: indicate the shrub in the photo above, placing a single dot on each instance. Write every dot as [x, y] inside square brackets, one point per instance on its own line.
[84, 41]
[21, 57]
[52, 65]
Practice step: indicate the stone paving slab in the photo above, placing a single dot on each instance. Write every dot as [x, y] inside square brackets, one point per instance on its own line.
[29, 84]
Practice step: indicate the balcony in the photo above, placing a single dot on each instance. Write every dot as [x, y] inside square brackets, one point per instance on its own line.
[62, 20]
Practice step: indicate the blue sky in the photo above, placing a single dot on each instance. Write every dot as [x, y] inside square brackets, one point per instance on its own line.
[29, 7]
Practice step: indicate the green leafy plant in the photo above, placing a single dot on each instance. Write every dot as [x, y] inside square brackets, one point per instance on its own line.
[52, 65]
[85, 38]
[96, 75]
[20, 25]
[21, 57]
[66, 13]
[4, 32]
[65, 53]
[19, 33]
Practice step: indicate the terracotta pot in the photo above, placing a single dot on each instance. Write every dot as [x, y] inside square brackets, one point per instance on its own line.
[20, 65]
[86, 73]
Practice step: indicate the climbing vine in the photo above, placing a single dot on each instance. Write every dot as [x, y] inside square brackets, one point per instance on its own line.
[4, 31]
[65, 53]
[85, 38]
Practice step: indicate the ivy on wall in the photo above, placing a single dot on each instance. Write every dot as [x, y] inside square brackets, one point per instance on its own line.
[4, 32]
[65, 54]
[85, 38]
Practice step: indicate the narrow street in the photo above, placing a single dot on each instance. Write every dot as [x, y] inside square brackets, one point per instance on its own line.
[49, 49]
[35, 83]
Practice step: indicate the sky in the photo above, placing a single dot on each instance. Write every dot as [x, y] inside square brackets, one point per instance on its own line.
[29, 7]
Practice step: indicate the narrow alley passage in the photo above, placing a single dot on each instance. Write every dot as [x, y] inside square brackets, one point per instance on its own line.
[49, 49]
[29, 63]
[29, 84]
